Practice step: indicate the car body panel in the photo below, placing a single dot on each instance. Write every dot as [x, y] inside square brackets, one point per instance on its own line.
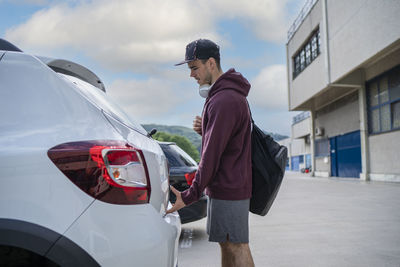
[56, 109]
[110, 239]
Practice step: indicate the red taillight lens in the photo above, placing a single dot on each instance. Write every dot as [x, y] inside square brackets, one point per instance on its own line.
[189, 177]
[121, 157]
[110, 171]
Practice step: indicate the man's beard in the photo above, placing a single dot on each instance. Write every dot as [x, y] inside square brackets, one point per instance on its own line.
[208, 78]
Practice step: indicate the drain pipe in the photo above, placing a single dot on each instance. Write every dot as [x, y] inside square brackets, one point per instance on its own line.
[326, 42]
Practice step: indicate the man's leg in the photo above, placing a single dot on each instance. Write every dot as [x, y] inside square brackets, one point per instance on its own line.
[236, 255]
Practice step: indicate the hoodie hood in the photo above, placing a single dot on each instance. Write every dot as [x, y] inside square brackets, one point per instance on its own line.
[231, 80]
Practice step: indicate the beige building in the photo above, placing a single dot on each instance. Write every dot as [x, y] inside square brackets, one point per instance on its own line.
[299, 147]
[343, 65]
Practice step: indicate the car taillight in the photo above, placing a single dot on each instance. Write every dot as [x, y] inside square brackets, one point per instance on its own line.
[111, 171]
[189, 177]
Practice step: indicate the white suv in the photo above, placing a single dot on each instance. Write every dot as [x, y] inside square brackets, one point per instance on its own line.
[81, 184]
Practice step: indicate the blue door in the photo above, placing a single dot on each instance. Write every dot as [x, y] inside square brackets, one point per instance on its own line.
[308, 161]
[346, 155]
[295, 163]
[332, 142]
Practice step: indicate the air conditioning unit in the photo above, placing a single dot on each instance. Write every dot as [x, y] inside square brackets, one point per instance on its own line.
[319, 131]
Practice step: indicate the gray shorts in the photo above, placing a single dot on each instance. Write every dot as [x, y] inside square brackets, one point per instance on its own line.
[228, 220]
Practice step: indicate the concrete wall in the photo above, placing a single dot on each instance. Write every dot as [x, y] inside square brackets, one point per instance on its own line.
[385, 153]
[359, 29]
[313, 77]
[341, 117]
[301, 128]
[323, 165]
[299, 147]
[383, 65]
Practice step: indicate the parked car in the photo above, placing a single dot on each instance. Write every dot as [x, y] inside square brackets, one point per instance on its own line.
[82, 184]
[181, 174]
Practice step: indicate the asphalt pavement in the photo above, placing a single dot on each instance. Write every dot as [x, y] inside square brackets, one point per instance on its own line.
[315, 222]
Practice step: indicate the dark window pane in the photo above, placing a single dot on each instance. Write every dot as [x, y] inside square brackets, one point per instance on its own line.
[385, 118]
[173, 159]
[308, 54]
[314, 47]
[394, 84]
[375, 120]
[297, 64]
[373, 94]
[302, 60]
[396, 114]
[383, 90]
[177, 157]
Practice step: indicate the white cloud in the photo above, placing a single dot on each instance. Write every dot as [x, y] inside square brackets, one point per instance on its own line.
[136, 34]
[269, 88]
[157, 100]
[150, 97]
[119, 34]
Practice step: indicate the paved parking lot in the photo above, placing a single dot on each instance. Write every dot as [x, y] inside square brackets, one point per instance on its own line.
[315, 222]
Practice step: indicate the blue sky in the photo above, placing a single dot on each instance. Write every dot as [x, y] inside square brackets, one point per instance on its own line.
[132, 46]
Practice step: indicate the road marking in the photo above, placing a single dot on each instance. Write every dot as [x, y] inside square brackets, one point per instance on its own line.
[187, 238]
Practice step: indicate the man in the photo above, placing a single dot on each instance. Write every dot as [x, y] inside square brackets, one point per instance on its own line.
[225, 164]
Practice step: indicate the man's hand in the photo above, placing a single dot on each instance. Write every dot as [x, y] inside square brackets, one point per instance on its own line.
[178, 203]
[197, 125]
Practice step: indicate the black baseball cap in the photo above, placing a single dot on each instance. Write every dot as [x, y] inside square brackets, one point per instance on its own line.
[200, 49]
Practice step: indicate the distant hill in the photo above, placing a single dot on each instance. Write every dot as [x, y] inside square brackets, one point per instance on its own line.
[277, 137]
[192, 135]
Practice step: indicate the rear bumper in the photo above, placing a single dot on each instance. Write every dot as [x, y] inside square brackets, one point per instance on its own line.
[130, 235]
[195, 211]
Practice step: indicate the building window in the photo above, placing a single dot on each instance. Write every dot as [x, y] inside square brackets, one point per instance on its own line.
[383, 98]
[307, 53]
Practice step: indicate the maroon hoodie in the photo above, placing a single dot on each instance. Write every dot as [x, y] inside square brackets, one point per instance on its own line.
[225, 165]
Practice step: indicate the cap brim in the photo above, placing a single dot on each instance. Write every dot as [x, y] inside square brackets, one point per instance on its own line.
[185, 61]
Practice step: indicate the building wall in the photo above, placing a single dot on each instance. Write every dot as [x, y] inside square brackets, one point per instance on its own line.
[385, 153]
[301, 128]
[340, 117]
[359, 29]
[387, 63]
[305, 85]
[363, 42]
[323, 164]
[298, 147]
[355, 34]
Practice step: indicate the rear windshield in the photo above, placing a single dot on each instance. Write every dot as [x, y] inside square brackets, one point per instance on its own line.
[177, 157]
[101, 100]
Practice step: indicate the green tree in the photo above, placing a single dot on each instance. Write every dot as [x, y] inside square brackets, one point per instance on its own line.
[181, 141]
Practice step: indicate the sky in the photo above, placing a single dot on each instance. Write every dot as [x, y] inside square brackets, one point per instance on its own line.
[132, 45]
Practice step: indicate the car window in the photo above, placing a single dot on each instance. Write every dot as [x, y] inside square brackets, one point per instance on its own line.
[101, 100]
[177, 157]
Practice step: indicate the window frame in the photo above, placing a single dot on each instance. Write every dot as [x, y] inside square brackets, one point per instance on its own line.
[390, 102]
[300, 60]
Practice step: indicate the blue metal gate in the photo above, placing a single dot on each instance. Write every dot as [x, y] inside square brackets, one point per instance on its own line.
[296, 161]
[346, 155]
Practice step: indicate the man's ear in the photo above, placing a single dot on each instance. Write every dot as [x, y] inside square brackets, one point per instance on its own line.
[213, 63]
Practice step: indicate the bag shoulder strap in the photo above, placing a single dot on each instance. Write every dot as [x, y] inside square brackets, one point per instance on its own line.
[251, 116]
